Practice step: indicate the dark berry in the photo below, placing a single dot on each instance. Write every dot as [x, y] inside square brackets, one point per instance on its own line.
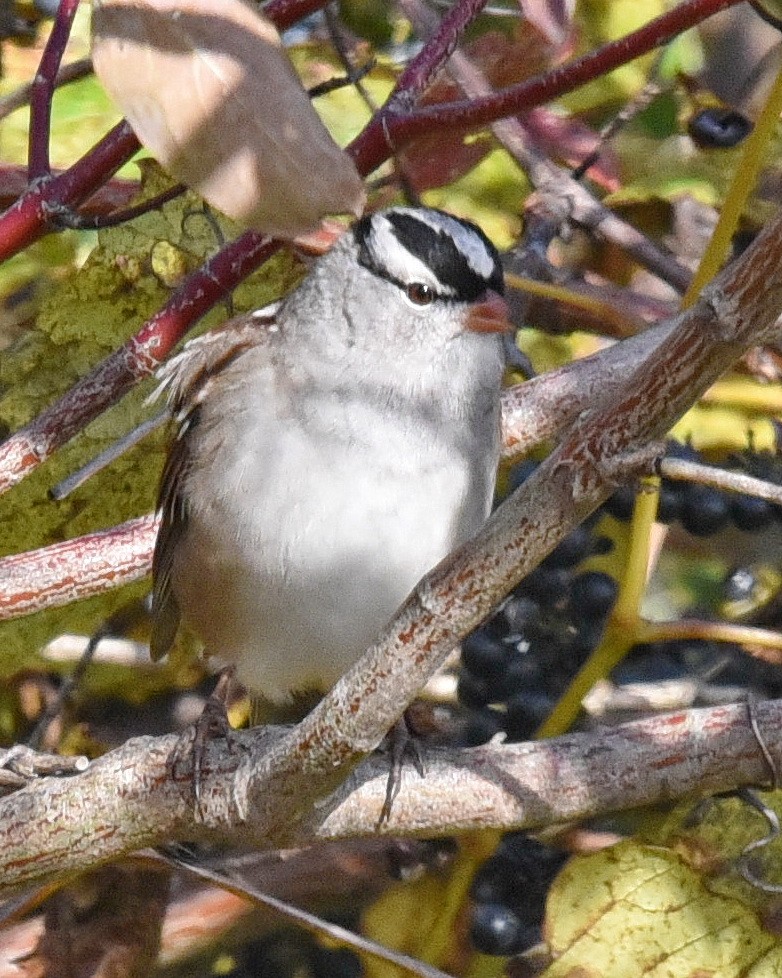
[472, 690]
[602, 545]
[718, 127]
[518, 612]
[705, 510]
[525, 712]
[750, 513]
[532, 865]
[483, 654]
[670, 503]
[592, 595]
[491, 884]
[621, 503]
[585, 640]
[547, 586]
[648, 662]
[524, 672]
[576, 546]
[496, 930]
[480, 728]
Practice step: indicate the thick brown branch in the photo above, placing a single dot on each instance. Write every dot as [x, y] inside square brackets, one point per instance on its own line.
[128, 799]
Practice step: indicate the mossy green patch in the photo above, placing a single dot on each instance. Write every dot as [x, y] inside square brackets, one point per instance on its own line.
[128, 277]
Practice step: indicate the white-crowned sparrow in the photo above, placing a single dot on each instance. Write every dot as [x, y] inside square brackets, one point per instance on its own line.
[330, 455]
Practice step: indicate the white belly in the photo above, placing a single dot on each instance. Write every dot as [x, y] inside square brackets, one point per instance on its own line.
[330, 536]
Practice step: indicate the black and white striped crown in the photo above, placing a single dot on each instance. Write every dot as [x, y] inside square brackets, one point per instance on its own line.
[408, 245]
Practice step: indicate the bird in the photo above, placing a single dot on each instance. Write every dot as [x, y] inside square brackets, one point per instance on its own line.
[331, 450]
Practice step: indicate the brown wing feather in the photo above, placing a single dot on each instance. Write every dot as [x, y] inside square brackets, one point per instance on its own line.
[187, 380]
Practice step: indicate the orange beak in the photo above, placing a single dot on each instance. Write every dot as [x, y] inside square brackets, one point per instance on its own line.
[490, 315]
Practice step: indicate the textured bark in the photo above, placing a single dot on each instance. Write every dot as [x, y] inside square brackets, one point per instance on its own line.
[141, 794]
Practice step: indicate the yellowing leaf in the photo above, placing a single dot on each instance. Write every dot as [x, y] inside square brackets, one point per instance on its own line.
[641, 910]
[209, 90]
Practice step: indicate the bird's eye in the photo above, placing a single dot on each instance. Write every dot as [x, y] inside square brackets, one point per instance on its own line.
[420, 294]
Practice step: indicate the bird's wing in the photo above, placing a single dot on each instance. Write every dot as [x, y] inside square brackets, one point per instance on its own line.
[186, 380]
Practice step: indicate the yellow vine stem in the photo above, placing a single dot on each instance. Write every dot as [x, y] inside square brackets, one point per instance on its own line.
[625, 626]
[622, 628]
[763, 643]
[577, 300]
[743, 183]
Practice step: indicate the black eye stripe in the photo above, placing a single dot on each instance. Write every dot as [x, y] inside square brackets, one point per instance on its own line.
[436, 248]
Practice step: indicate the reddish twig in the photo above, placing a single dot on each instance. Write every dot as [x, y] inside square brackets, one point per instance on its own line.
[28, 219]
[95, 222]
[43, 90]
[114, 194]
[75, 569]
[391, 129]
[135, 360]
[420, 72]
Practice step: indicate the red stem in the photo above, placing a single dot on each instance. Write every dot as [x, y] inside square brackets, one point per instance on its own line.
[111, 196]
[420, 72]
[139, 357]
[43, 90]
[389, 130]
[28, 219]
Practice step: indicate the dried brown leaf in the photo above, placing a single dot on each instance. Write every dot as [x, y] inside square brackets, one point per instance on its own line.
[104, 925]
[209, 90]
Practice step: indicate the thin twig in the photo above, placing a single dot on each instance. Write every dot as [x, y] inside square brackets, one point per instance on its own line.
[66, 486]
[43, 90]
[96, 222]
[136, 360]
[564, 196]
[310, 922]
[66, 572]
[21, 96]
[725, 479]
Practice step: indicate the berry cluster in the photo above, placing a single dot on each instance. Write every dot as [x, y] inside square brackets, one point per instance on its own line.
[515, 666]
[702, 510]
[509, 893]
[721, 672]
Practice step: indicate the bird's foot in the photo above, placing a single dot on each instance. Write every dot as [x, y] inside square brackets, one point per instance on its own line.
[403, 741]
[190, 753]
